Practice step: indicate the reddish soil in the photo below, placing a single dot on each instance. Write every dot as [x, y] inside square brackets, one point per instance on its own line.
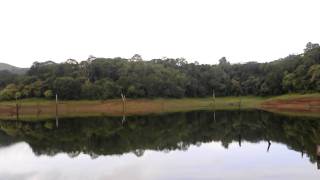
[110, 107]
[298, 105]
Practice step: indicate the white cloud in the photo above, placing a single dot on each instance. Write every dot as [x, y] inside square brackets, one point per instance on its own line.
[203, 30]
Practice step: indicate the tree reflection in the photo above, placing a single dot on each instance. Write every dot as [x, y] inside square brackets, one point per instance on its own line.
[110, 135]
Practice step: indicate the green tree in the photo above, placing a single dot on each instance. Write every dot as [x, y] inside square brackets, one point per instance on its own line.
[310, 46]
[109, 89]
[67, 88]
[9, 93]
[314, 74]
[288, 82]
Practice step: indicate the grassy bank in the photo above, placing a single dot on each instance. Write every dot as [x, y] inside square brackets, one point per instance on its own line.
[36, 109]
[294, 96]
[40, 108]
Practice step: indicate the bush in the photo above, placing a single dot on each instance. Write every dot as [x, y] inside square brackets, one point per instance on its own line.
[48, 94]
[9, 93]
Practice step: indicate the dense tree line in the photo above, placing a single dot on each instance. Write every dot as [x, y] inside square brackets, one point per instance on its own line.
[104, 78]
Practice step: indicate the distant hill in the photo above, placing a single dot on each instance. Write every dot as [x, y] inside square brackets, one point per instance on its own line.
[13, 69]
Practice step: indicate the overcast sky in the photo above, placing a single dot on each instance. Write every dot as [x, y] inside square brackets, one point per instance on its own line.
[198, 30]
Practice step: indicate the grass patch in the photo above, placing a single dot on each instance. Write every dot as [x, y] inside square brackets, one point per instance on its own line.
[292, 96]
[36, 109]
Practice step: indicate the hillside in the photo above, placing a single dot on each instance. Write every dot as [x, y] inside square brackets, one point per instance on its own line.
[13, 69]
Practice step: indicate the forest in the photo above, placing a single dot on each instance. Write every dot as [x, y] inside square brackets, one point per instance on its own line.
[106, 78]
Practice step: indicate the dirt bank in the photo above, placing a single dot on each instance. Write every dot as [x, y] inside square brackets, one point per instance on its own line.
[293, 104]
[304, 104]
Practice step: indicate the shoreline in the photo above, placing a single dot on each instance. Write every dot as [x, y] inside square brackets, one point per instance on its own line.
[37, 109]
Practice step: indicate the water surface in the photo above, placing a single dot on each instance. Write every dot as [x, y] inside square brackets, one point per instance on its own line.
[192, 145]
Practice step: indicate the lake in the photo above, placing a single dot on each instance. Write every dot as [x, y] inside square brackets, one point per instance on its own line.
[189, 145]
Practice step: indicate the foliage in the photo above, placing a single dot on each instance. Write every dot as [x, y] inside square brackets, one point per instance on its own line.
[67, 87]
[9, 92]
[48, 94]
[105, 78]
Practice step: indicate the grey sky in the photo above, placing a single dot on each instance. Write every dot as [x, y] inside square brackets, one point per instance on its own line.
[202, 30]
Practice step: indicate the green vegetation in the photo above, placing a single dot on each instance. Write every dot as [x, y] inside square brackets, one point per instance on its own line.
[107, 78]
[293, 96]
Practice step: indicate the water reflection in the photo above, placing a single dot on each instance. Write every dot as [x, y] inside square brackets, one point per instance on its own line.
[230, 138]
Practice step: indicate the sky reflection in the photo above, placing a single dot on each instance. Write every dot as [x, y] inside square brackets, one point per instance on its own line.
[207, 161]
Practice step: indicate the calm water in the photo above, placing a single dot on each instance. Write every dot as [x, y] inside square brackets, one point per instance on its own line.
[195, 145]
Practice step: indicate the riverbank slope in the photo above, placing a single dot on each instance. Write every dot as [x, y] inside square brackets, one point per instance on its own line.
[297, 104]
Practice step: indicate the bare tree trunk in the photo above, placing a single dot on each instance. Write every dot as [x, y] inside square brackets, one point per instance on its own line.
[17, 109]
[123, 102]
[214, 105]
[57, 116]
[214, 98]
[123, 107]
